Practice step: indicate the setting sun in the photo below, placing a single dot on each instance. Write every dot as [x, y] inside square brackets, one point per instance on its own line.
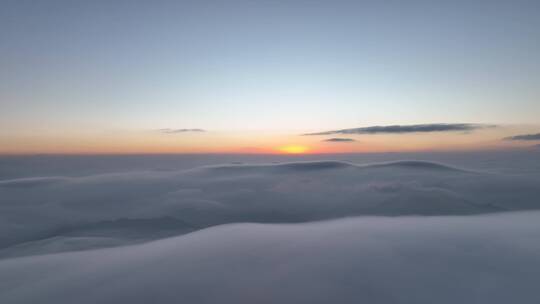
[293, 149]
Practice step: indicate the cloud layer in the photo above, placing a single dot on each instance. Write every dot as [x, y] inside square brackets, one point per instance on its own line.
[401, 129]
[45, 214]
[445, 260]
[524, 137]
[389, 232]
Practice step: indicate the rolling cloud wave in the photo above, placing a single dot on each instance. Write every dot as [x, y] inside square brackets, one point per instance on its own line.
[117, 207]
[290, 232]
[446, 260]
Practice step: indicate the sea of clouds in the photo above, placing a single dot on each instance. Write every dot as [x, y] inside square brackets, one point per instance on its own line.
[317, 231]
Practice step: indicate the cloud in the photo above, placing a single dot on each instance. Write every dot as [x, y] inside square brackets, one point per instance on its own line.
[288, 232]
[377, 260]
[40, 215]
[174, 131]
[401, 129]
[524, 137]
[335, 139]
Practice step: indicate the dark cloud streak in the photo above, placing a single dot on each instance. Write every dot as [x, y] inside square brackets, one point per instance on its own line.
[175, 131]
[401, 129]
[341, 140]
[524, 137]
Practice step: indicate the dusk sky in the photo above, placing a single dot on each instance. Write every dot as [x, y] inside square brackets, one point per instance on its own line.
[287, 151]
[255, 76]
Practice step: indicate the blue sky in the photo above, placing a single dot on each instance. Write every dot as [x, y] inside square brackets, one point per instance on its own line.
[278, 66]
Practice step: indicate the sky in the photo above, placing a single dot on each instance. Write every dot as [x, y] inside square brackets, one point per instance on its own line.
[255, 76]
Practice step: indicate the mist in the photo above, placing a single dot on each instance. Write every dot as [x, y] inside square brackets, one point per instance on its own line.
[374, 228]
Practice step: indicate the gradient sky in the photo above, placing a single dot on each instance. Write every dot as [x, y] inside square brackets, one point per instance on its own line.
[105, 76]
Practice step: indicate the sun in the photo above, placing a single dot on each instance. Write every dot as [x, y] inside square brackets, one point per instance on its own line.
[293, 149]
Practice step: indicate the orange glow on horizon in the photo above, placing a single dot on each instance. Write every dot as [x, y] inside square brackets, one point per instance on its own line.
[248, 142]
[293, 149]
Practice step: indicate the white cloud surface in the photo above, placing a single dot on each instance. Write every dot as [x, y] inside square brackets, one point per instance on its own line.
[471, 259]
[138, 206]
[298, 232]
